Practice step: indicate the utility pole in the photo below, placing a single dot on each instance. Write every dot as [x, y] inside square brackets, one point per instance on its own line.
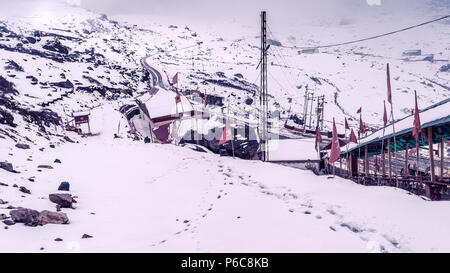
[320, 110]
[264, 145]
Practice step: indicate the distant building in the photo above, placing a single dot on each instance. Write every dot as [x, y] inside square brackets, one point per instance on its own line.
[308, 51]
[415, 52]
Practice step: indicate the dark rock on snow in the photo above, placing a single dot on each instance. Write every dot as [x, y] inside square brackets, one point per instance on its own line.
[66, 138]
[27, 216]
[86, 236]
[9, 222]
[63, 199]
[64, 186]
[24, 190]
[50, 217]
[23, 146]
[7, 167]
[57, 161]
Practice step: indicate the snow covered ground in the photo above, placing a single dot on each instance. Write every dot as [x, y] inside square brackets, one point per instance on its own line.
[136, 197]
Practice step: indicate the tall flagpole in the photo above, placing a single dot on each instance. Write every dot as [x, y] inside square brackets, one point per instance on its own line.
[392, 107]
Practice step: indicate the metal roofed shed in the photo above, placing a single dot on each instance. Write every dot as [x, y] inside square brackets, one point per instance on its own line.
[436, 116]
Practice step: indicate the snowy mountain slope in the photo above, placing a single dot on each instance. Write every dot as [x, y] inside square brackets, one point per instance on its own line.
[344, 74]
[136, 197]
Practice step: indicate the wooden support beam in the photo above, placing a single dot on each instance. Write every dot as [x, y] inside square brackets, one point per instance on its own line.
[366, 160]
[442, 158]
[406, 173]
[340, 166]
[389, 158]
[350, 159]
[357, 165]
[383, 163]
[430, 147]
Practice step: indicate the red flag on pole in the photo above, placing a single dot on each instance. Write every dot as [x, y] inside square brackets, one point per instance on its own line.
[385, 118]
[362, 127]
[206, 100]
[226, 134]
[353, 137]
[389, 94]
[335, 147]
[318, 138]
[133, 128]
[175, 79]
[177, 98]
[346, 125]
[417, 128]
[359, 110]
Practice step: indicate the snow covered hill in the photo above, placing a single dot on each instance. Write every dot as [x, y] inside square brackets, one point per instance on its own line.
[56, 59]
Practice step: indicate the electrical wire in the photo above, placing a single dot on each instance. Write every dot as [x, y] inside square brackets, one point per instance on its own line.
[371, 38]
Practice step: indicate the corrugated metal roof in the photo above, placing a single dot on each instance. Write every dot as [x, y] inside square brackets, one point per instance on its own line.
[443, 120]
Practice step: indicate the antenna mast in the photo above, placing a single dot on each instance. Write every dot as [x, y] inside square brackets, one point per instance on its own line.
[264, 144]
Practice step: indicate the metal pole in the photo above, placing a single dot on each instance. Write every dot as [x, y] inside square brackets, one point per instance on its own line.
[263, 92]
[442, 157]
[389, 158]
[430, 144]
[406, 162]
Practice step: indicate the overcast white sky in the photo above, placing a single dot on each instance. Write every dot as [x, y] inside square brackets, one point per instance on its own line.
[287, 10]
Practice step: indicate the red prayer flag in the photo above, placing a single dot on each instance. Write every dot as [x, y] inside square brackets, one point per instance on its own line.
[226, 134]
[175, 79]
[385, 118]
[389, 94]
[417, 128]
[359, 110]
[177, 98]
[318, 138]
[133, 128]
[353, 137]
[362, 127]
[346, 125]
[335, 147]
[206, 100]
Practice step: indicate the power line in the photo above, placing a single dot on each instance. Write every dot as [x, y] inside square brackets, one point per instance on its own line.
[371, 38]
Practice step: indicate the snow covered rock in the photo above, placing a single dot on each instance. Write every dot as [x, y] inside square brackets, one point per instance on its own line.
[49, 217]
[56, 46]
[63, 199]
[29, 217]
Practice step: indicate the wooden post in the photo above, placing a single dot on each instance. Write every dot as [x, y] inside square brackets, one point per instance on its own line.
[442, 158]
[357, 166]
[430, 145]
[389, 158]
[340, 166]
[382, 162]
[406, 162]
[350, 173]
[366, 160]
